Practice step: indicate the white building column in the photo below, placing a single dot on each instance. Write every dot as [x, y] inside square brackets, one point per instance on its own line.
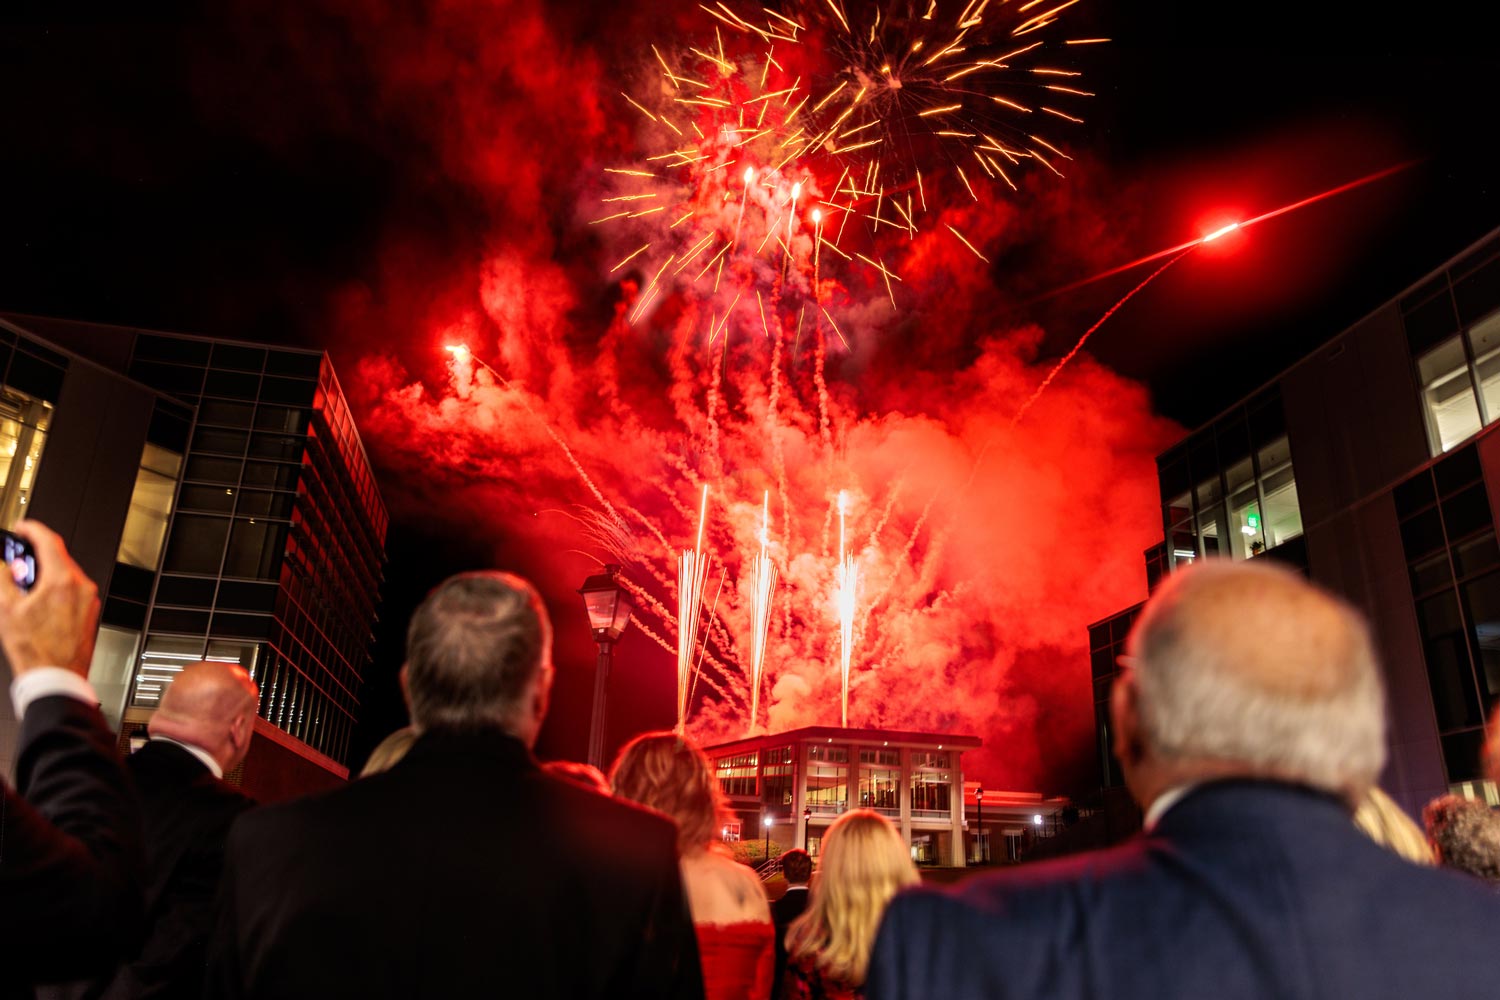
[904, 794]
[799, 796]
[956, 800]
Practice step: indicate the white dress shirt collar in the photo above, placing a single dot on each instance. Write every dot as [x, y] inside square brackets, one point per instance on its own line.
[1164, 802]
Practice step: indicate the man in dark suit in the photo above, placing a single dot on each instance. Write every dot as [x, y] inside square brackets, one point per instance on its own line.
[464, 870]
[1248, 719]
[796, 868]
[70, 842]
[200, 731]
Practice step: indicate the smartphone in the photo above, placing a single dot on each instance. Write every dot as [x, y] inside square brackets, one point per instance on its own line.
[21, 559]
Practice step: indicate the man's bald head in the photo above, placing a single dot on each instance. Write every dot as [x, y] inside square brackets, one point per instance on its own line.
[1252, 669]
[210, 705]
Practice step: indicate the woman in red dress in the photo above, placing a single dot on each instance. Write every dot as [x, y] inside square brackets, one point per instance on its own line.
[736, 939]
[864, 863]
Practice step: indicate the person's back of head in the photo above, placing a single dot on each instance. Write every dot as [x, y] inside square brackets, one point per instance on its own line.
[581, 774]
[389, 751]
[670, 774]
[1383, 821]
[1246, 669]
[797, 866]
[863, 864]
[1465, 835]
[210, 705]
[479, 654]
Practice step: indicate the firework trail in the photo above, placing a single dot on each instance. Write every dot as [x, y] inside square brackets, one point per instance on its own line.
[1097, 324]
[692, 572]
[848, 581]
[762, 586]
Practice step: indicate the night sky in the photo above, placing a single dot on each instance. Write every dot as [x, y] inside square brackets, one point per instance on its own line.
[242, 170]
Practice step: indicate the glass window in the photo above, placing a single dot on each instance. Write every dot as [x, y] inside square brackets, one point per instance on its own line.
[931, 794]
[1448, 395]
[1482, 605]
[1484, 340]
[737, 774]
[150, 508]
[197, 544]
[111, 667]
[880, 789]
[23, 431]
[827, 788]
[255, 549]
[161, 662]
[1454, 697]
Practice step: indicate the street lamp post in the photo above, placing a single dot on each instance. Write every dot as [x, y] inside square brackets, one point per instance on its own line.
[984, 847]
[767, 824]
[806, 822]
[608, 606]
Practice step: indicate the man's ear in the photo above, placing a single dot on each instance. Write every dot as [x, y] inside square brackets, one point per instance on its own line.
[1125, 718]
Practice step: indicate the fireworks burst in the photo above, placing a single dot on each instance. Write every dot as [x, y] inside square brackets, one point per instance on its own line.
[837, 129]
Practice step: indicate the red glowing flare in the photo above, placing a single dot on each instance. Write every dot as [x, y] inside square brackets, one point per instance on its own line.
[1273, 213]
[459, 351]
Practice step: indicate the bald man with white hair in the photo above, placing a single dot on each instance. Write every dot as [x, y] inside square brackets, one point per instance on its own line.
[1248, 718]
[200, 732]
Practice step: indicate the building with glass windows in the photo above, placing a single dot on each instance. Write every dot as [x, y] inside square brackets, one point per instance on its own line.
[242, 524]
[805, 779]
[1372, 465]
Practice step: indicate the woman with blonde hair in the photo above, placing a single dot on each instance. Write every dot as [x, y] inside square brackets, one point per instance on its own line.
[864, 863]
[732, 920]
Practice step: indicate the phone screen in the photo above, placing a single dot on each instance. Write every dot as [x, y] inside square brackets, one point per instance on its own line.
[21, 560]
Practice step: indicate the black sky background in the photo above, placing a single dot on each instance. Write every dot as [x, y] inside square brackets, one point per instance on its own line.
[137, 186]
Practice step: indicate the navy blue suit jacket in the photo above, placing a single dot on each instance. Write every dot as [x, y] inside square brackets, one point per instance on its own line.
[1244, 889]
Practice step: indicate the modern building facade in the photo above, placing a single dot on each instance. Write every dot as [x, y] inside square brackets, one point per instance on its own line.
[249, 530]
[1371, 464]
[801, 781]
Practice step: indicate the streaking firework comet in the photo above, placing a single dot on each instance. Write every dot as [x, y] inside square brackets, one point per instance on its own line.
[692, 572]
[848, 581]
[763, 587]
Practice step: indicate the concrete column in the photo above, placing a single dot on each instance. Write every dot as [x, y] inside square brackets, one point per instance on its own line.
[956, 799]
[904, 795]
[799, 796]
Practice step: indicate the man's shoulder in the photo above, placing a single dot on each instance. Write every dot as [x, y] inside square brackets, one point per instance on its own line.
[593, 815]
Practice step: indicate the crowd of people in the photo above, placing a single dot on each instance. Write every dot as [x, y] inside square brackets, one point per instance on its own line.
[1248, 718]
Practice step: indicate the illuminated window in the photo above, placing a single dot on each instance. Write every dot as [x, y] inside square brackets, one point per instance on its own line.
[737, 774]
[1448, 395]
[778, 776]
[150, 508]
[1460, 380]
[23, 432]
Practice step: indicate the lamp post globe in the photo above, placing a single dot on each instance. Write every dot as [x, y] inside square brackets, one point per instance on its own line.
[608, 605]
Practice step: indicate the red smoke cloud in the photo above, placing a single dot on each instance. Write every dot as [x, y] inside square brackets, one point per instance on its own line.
[984, 549]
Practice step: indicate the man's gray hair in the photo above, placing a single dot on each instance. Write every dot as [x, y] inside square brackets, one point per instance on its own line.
[472, 649]
[1249, 663]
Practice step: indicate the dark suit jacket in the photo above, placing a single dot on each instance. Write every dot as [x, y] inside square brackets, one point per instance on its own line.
[187, 815]
[1244, 889]
[462, 871]
[786, 909]
[70, 850]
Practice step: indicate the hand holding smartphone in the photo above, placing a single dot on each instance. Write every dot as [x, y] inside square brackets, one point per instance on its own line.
[21, 558]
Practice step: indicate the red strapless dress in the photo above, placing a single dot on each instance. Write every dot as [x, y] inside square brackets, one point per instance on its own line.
[739, 960]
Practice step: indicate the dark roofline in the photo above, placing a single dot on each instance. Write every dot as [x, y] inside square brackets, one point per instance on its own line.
[1489, 237]
[835, 734]
[21, 318]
